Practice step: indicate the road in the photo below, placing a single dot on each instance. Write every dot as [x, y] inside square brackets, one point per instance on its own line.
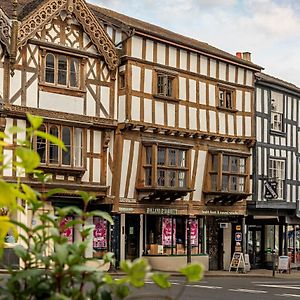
[227, 288]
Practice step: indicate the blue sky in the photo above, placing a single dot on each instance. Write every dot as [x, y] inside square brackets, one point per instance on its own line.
[269, 29]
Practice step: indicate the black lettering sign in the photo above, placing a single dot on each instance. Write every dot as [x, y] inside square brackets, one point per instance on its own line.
[271, 190]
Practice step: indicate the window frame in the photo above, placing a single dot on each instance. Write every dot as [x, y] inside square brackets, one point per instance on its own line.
[164, 94]
[276, 113]
[280, 181]
[226, 90]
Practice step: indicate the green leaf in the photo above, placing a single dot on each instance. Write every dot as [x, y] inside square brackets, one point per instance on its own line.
[20, 251]
[122, 291]
[15, 129]
[105, 295]
[7, 195]
[51, 138]
[3, 135]
[108, 257]
[5, 227]
[35, 121]
[30, 160]
[86, 197]
[56, 191]
[102, 214]
[61, 253]
[161, 280]
[193, 272]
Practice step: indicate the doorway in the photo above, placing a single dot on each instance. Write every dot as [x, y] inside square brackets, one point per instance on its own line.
[132, 236]
[256, 246]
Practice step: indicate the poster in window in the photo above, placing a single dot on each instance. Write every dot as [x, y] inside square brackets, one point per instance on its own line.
[194, 232]
[167, 232]
[100, 234]
[67, 231]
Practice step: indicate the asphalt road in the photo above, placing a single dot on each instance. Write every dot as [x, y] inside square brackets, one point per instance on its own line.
[227, 288]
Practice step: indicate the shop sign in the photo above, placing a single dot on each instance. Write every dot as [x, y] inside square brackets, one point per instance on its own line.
[127, 200]
[161, 211]
[100, 234]
[194, 232]
[271, 190]
[215, 212]
[238, 236]
[126, 209]
[167, 232]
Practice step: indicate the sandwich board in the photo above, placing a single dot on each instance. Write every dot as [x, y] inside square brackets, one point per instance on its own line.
[237, 262]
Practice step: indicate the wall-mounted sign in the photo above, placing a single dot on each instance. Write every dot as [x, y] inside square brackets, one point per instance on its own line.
[126, 209]
[271, 190]
[161, 211]
[238, 236]
[215, 212]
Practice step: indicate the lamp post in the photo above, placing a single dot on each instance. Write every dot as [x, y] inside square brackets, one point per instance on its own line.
[189, 248]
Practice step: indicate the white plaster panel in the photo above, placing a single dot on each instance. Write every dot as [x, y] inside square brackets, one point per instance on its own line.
[8, 156]
[193, 118]
[258, 99]
[222, 71]
[203, 65]
[199, 176]
[265, 130]
[182, 116]
[1, 82]
[295, 109]
[149, 50]
[97, 142]
[192, 90]
[9, 124]
[109, 31]
[202, 92]
[222, 123]
[266, 98]
[203, 121]
[32, 94]
[172, 57]
[212, 121]
[240, 76]
[159, 113]
[239, 125]
[136, 78]
[248, 126]
[90, 104]
[259, 160]
[171, 114]
[64, 103]
[161, 53]
[137, 47]
[258, 129]
[193, 62]
[231, 73]
[213, 68]
[183, 60]
[85, 177]
[135, 108]
[259, 190]
[88, 140]
[249, 78]
[239, 100]
[247, 101]
[294, 136]
[118, 37]
[134, 163]
[31, 62]
[289, 105]
[182, 88]
[148, 110]
[230, 124]
[15, 83]
[122, 108]
[148, 81]
[125, 160]
[212, 95]
[96, 169]
[105, 93]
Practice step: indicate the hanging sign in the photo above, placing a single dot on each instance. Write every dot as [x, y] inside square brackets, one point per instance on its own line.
[167, 232]
[194, 232]
[271, 190]
[67, 231]
[100, 234]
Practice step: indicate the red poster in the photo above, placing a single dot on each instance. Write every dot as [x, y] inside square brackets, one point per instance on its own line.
[100, 234]
[68, 232]
[167, 232]
[194, 232]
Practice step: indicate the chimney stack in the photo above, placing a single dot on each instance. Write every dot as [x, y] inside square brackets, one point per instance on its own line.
[244, 55]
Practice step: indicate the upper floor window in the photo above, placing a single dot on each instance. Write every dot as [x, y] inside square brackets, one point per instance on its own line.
[165, 85]
[51, 154]
[277, 113]
[277, 172]
[62, 70]
[228, 173]
[225, 98]
[165, 167]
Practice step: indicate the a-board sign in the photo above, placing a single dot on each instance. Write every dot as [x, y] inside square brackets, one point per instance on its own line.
[283, 263]
[237, 262]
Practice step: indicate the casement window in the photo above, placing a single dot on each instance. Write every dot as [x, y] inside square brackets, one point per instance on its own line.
[277, 114]
[51, 155]
[165, 167]
[225, 98]
[165, 84]
[228, 173]
[62, 70]
[277, 173]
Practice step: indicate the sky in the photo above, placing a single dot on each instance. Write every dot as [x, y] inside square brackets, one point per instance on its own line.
[269, 29]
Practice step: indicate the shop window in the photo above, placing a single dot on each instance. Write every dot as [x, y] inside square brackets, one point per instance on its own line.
[170, 169]
[228, 173]
[51, 154]
[167, 235]
[226, 98]
[100, 237]
[277, 173]
[62, 70]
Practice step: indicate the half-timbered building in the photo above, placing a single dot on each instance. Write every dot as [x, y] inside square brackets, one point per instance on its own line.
[159, 126]
[273, 212]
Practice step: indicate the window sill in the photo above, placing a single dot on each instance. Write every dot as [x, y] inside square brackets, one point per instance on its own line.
[64, 170]
[232, 110]
[278, 133]
[172, 99]
[63, 90]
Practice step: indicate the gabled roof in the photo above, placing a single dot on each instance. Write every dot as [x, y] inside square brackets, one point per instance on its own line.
[168, 35]
[262, 77]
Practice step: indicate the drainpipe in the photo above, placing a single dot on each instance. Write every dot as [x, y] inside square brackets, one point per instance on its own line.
[14, 38]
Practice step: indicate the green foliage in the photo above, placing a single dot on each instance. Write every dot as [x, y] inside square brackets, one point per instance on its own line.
[51, 267]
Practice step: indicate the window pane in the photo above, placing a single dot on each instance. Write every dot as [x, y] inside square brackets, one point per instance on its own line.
[215, 163]
[214, 182]
[74, 73]
[62, 70]
[228, 99]
[225, 180]
[148, 155]
[66, 138]
[234, 163]
[233, 183]
[160, 84]
[49, 76]
[53, 151]
[78, 138]
[242, 165]
[181, 179]
[172, 178]
[221, 98]
[241, 184]
[161, 156]
[172, 157]
[170, 83]
[181, 158]
[41, 146]
[161, 177]
[225, 166]
[148, 174]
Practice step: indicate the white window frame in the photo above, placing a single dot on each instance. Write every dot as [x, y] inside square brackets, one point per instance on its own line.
[276, 116]
[277, 172]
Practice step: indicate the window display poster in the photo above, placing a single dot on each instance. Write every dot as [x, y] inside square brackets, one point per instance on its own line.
[68, 231]
[100, 234]
[167, 232]
[194, 232]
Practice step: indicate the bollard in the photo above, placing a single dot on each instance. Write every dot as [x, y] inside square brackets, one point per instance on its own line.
[273, 261]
